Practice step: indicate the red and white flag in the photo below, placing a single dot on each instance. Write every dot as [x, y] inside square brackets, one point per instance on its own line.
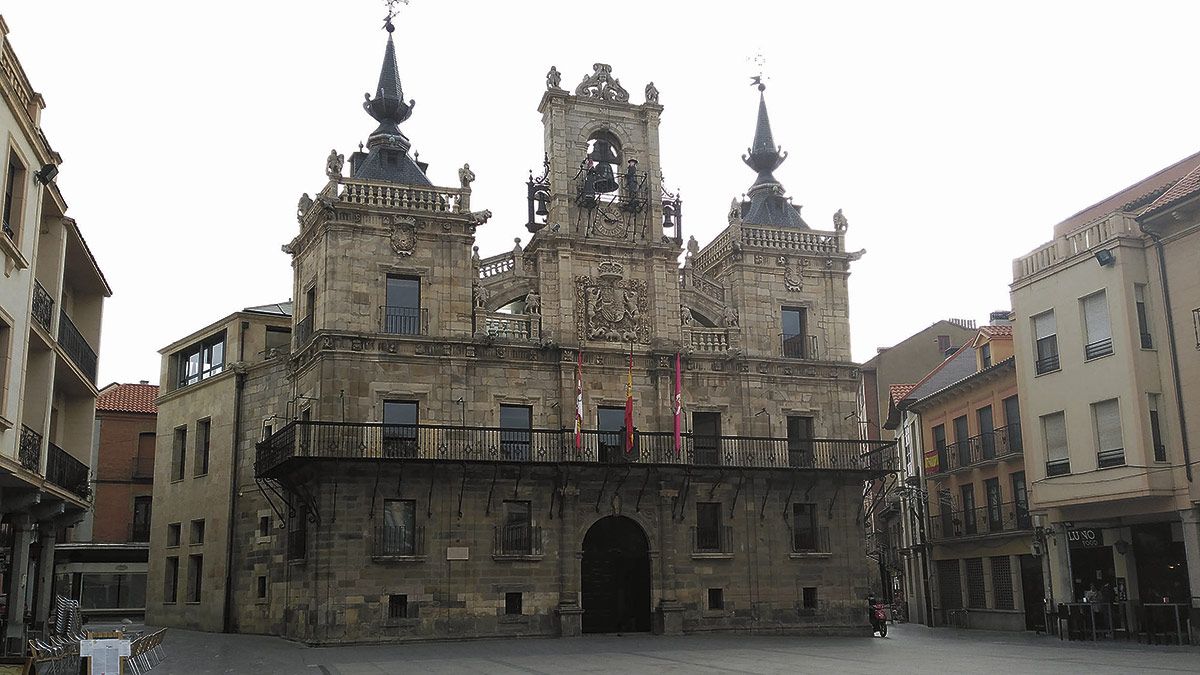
[579, 401]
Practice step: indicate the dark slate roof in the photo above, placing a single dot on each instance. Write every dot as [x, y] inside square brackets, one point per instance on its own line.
[277, 308]
[388, 163]
[961, 364]
[767, 205]
[387, 158]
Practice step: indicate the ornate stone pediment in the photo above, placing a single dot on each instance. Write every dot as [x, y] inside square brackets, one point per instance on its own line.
[602, 85]
[610, 308]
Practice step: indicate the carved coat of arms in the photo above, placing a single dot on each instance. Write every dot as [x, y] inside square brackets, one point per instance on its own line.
[611, 308]
[404, 235]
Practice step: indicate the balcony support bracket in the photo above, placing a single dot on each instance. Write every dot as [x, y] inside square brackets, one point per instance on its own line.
[517, 485]
[788, 501]
[495, 474]
[429, 499]
[762, 512]
[283, 501]
[720, 479]
[737, 492]
[462, 486]
[833, 500]
[681, 500]
[621, 482]
[637, 505]
[602, 486]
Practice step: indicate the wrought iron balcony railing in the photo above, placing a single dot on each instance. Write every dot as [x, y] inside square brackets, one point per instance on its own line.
[1046, 364]
[315, 440]
[43, 306]
[76, 347]
[404, 320]
[800, 346]
[31, 449]
[1094, 350]
[810, 540]
[985, 447]
[67, 472]
[397, 541]
[1000, 518]
[712, 539]
[517, 539]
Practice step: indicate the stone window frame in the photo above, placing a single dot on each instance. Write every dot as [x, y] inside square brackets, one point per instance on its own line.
[413, 607]
[425, 289]
[12, 247]
[259, 538]
[810, 307]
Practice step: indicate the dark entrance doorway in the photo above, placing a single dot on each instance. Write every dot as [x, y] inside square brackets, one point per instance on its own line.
[1092, 567]
[1033, 591]
[615, 577]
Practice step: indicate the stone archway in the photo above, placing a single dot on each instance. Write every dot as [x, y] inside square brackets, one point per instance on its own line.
[615, 577]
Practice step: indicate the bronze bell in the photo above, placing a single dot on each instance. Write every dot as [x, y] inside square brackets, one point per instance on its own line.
[540, 198]
[668, 216]
[601, 174]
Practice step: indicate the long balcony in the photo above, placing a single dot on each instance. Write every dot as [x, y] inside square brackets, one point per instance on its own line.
[800, 346]
[301, 441]
[76, 347]
[1007, 517]
[43, 306]
[67, 472]
[1002, 443]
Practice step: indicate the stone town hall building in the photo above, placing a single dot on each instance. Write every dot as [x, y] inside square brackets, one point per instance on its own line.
[406, 465]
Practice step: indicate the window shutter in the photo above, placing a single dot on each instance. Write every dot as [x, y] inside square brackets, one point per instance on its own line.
[1043, 325]
[1108, 424]
[1095, 318]
[1056, 437]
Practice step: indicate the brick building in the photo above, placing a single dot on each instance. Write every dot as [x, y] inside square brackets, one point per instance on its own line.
[410, 469]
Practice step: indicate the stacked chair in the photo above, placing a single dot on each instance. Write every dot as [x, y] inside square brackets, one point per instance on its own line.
[146, 652]
[58, 652]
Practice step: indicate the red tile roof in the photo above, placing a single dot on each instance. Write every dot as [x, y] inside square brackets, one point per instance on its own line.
[899, 391]
[1151, 187]
[997, 331]
[1186, 187]
[130, 398]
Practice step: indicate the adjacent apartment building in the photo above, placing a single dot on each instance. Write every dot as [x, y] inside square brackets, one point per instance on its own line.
[575, 436]
[51, 297]
[1107, 344]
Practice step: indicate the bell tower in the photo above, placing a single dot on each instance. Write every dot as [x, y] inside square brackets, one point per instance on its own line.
[600, 217]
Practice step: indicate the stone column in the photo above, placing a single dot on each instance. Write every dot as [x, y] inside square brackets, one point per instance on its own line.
[669, 619]
[45, 574]
[1018, 584]
[1058, 566]
[22, 538]
[1191, 548]
[570, 613]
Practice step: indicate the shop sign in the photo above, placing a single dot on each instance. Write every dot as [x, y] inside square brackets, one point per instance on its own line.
[1085, 537]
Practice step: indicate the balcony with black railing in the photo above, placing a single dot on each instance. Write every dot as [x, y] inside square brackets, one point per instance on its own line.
[1094, 350]
[403, 320]
[810, 540]
[398, 542]
[1002, 443]
[1003, 518]
[800, 346]
[517, 540]
[305, 441]
[712, 540]
[1046, 364]
[30, 450]
[76, 347]
[67, 472]
[43, 306]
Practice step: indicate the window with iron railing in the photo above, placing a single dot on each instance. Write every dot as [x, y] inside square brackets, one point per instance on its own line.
[1097, 327]
[1045, 343]
[398, 534]
[1156, 436]
[795, 341]
[43, 306]
[402, 314]
[1054, 433]
[516, 533]
[1110, 450]
[708, 527]
[297, 539]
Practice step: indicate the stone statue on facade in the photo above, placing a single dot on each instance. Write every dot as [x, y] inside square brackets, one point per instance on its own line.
[554, 79]
[334, 164]
[480, 217]
[730, 318]
[651, 93]
[839, 222]
[482, 295]
[533, 303]
[693, 246]
[466, 176]
[685, 316]
[303, 206]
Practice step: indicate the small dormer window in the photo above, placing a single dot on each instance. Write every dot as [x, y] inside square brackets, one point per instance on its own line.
[985, 355]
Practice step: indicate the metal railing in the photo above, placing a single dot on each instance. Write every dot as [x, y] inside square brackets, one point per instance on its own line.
[517, 539]
[375, 441]
[800, 346]
[76, 347]
[981, 520]
[811, 540]
[67, 472]
[1094, 350]
[139, 532]
[304, 329]
[1147, 341]
[717, 539]
[398, 541]
[43, 305]
[998, 444]
[1046, 364]
[1106, 459]
[403, 320]
[1058, 467]
[30, 452]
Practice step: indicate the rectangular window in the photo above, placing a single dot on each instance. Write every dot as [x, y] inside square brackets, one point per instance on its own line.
[1156, 437]
[708, 527]
[261, 591]
[1045, 335]
[949, 584]
[398, 606]
[268, 430]
[304, 327]
[516, 535]
[197, 534]
[402, 311]
[195, 577]
[297, 542]
[1002, 586]
[179, 453]
[399, 527]
[987, 435]
[264, 526]
[1139, 296]
[203, 437]
[1110, 450]
[173, 533]
[810, 597]
[995, 515]
[804, 528]
[139, 529]
[976, 591]
[985, 355]
[1054, 432]
[970, 518]
[939, 442]
[1012, 423]
[400, 434]
[171, 580]
[14, 190]
[961, 436]
[1021, 501]
[610, 421]
[5, 345]
[100, 590]
[201, 360]
[706, 437]
[143, 461]
[512, 604]
[794, 334]
[716, 599]
[516, 421]
[1097, 329]
[799, 440]
[946, 508]
[277, 340]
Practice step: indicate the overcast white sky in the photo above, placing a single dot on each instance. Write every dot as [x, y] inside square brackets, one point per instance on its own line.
[954, 135]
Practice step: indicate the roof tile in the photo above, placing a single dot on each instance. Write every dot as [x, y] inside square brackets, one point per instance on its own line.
[130, 398]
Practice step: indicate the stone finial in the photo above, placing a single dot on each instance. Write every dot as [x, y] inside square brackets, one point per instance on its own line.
[475, 260]
[334, 164]
[517, 246]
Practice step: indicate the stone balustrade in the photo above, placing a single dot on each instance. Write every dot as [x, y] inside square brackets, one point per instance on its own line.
[776, 239]
[707, 340]
[497, 264]
[1082, 240]
[403, 197]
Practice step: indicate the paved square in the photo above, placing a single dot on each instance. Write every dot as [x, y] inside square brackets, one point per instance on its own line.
[907, 649]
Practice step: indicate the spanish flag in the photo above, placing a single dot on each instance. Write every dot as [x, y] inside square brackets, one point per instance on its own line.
[629, 405]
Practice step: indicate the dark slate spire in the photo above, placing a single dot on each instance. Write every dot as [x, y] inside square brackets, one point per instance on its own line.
[767, 205]
[387, 147]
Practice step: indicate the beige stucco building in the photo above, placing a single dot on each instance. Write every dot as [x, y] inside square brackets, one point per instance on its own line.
[444, 452]
[51, 296]
[1107, 373]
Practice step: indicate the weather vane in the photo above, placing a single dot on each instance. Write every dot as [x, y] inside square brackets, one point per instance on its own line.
[392, 11]
[757, 80]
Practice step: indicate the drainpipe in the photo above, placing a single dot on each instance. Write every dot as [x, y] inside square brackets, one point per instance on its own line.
[239, 384]
[1166, 291]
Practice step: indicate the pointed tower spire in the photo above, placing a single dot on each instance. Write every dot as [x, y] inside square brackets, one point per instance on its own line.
[388, 107]
[767, 205]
